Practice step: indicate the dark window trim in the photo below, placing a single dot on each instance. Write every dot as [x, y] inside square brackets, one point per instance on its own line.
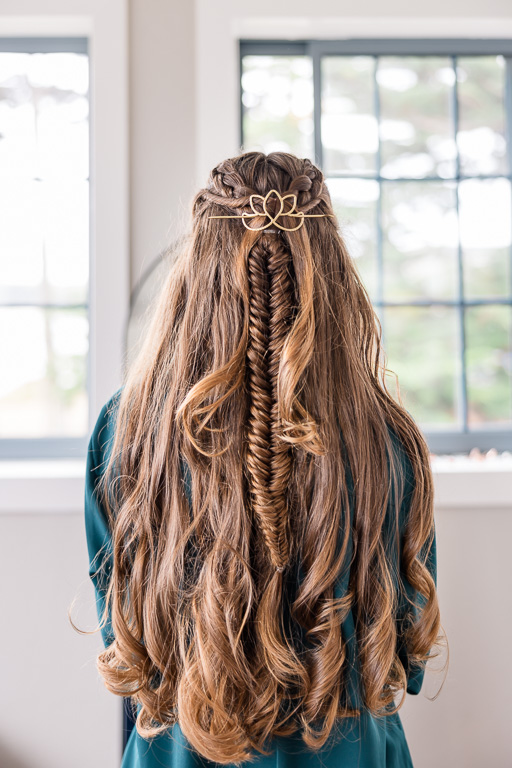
[17, 448]
[44, 44]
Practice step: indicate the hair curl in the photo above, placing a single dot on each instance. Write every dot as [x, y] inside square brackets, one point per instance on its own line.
[262, 380]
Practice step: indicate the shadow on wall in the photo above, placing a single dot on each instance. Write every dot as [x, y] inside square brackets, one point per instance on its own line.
[8, 760]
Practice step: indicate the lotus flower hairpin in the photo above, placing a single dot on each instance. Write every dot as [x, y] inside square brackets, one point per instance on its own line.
[273, 219]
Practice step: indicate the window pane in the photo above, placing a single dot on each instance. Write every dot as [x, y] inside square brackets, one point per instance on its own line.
[43, 389]
[67, 240]
[62, 114]
[422, 348]
[44, 115]
[349, 125]
[420, 240]
[489, 365]
[17, 117]
[21, 239]
[44, 241]
[485, 231]
[416, 128]
[277, 103]
[482, 123]
[354, 202]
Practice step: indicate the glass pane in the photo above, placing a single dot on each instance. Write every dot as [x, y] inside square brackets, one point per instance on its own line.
[21, 239]
[44, 241]
[67, 240]
[420, 240]
[62, 110]
[489, 365]
[277, 98]
[482, 123]
[354, 203]
[17, 117]
[349, 125]
[485, 231]
[43, 387]
[422, 348]
[44, 115]
[416, 128]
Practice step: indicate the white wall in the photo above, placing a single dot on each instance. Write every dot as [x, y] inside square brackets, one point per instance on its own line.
[468, 724]
[54, 712]
[162, 124]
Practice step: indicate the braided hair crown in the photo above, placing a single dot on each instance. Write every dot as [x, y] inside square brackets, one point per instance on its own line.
[272, 302]
[233, 181]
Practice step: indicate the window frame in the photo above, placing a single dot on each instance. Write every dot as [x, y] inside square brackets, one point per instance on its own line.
[439, 441]
[50, 447]
[109, 266]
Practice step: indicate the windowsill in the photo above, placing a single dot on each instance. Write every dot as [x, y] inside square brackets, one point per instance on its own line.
[471, 483]
[34, 469]
[57, 486]
[42, 486]
[443, 464]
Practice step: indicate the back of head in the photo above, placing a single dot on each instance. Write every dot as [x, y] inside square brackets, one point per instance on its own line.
[258, 397]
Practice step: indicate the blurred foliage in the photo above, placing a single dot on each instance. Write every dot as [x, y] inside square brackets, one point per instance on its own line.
[489, 363]
[349, 126]
[278, 104]
[422, 348]
[481, 86]
[416, 121]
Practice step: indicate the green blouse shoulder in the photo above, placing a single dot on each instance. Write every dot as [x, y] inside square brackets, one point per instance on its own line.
[97, 531]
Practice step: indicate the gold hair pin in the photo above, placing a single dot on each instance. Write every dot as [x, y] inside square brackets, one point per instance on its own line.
[273, 219]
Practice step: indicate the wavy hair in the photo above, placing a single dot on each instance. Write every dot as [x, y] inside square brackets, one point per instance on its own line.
[262, 382]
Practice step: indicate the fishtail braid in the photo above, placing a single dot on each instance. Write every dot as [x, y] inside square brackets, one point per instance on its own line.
[268, 458]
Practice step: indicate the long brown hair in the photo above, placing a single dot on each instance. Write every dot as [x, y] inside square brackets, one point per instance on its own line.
[260, 385]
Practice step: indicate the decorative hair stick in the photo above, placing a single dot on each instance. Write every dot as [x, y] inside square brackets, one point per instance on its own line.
[273, 219]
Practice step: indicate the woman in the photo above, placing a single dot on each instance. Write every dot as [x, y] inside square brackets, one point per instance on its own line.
[259, 509]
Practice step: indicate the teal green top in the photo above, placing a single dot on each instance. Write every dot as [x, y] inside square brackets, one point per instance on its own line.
[365, 742]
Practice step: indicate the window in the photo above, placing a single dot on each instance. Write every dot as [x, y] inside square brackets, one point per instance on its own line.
[414, 140]
[44, 246]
